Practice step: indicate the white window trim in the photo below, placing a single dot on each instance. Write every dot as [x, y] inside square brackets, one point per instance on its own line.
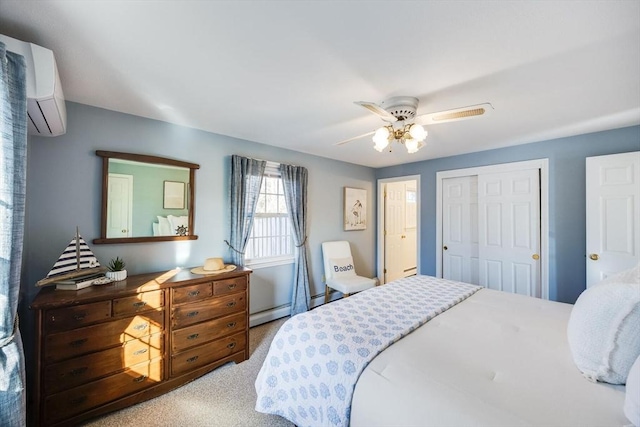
[271, 169]
[270, 262]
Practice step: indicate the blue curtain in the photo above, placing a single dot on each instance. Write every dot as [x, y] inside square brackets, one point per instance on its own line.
[13, 131]
[246, 179]
[294, 181]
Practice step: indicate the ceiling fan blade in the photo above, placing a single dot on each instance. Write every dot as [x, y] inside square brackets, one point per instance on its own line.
[377, 110]
[354, 138]
[463, 113]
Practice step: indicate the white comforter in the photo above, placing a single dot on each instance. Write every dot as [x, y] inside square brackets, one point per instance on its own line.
[496, 359]
[316, 358]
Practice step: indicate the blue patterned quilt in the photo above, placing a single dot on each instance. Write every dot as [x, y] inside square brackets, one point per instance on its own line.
[315, 359]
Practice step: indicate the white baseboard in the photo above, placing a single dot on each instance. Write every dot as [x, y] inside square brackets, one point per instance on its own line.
[275, 313]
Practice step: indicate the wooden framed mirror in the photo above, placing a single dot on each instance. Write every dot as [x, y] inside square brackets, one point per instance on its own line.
[146, 198]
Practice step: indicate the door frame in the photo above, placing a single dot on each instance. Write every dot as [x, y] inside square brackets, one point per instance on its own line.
[381, 237]
[543, 166]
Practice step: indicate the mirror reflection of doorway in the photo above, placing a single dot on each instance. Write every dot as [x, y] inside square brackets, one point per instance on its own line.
[119, 205]
[399, 220]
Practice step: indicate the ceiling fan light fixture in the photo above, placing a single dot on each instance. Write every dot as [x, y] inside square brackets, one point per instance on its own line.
[406, 127]
[381, 138]
[413, 145]
[417, 132]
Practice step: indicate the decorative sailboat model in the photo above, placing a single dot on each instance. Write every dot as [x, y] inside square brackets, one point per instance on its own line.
[76, 261]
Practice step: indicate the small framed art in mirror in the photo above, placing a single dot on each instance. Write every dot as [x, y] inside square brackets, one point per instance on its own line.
[146, 198]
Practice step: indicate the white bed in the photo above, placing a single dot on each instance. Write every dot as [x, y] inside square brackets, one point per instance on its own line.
[493, 359]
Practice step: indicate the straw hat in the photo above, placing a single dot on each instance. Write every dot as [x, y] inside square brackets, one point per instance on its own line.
[213, 266]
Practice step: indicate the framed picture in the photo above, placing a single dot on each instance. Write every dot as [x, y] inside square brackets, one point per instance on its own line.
[173, 195]
[355, 209]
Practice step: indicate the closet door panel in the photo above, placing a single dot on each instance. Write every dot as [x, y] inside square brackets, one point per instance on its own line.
[509, 236]
[460, 229]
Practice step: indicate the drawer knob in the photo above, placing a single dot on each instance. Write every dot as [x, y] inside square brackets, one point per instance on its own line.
[80, 316]
[231, 304]
[192, 314]
[140, 379]
[139, 304]
[232, 286]
[139, 352]
[194, 293]
[192, 359]
[78, 371]
[231, 345]
[78, 343]
[193, 336]
[231, 324]
[140, 327]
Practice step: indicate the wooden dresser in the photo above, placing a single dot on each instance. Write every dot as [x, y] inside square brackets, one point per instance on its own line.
[107, 347]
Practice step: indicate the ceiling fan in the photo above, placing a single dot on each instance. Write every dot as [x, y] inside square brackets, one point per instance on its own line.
[404, 126]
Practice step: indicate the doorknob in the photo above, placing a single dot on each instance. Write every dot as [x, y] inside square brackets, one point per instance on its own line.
[445, 248]
[594, 257]
[535, 256]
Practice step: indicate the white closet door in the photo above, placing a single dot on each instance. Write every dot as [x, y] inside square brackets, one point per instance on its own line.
[509, 231]
[460, 229]
[613, 214]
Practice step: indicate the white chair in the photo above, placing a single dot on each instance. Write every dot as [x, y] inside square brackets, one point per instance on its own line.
[339, 271]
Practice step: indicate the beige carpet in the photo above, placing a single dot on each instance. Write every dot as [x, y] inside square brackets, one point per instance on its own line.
[225, 397]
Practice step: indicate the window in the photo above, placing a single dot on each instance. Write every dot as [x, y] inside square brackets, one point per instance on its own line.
[270, 241]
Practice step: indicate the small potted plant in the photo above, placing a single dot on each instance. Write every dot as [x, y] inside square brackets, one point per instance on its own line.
[116, 269]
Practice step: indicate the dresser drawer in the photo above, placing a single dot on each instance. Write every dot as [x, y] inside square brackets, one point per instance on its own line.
[138, 303]
[76, 400]
[64, 345]
[207, 331]
[221, 287]
[62, 319]
[191, 293]
[207, 353]
[80, 370]
[188, 314]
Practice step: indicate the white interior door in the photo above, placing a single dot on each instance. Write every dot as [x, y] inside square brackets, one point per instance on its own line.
[460, 229]
[400, 230]
[120, 205]
[509, 231]
[394, 228]
[613, 214]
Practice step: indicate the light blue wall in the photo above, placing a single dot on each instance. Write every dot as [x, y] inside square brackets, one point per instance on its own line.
[63, 191]
[567, 206]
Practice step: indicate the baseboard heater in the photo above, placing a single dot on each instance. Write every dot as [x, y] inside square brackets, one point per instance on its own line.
[284, 310]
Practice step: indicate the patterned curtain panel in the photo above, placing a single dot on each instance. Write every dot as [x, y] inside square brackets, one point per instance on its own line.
[246, 179]
[294, 181]
[13, 164]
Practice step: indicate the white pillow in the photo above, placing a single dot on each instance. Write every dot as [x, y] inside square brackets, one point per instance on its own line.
[164, 227]
[155, 227]
[604, 328]
[632, 394]
[178, 221]
[342, 267]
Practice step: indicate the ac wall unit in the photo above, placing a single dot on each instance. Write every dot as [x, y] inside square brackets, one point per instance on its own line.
[45, 100]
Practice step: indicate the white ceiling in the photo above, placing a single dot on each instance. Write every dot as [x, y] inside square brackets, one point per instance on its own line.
[286, 73]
